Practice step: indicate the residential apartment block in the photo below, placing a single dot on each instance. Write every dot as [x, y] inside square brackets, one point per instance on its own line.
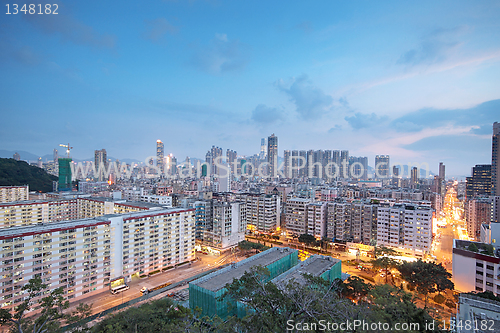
[82, 256]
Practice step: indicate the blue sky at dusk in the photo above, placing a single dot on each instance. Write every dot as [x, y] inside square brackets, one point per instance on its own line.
[419, 81]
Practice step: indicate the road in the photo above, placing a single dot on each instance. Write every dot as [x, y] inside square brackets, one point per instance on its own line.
[106, 300]
[444, 245]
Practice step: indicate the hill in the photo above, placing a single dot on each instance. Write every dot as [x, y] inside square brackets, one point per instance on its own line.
[14, 173]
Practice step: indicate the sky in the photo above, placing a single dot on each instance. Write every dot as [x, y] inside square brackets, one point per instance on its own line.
[419, 81]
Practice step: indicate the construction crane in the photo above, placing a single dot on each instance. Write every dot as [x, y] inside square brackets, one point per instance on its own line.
[68, 148]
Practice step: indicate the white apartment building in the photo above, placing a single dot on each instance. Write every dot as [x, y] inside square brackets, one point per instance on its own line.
[474, 271]
[32, 212]
[162, 200]
[14, 193]
[263, 211]
[405, 226]
[82, 256]
[228, 225]
[316, 219]
[342, 221]
[296, 216]
[74, 255]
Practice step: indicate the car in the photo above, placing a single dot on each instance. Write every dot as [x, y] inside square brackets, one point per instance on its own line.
[144, 290]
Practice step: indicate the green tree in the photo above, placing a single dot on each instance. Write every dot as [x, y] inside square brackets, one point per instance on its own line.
[270, 307]
[488, 249]
[81, 312]
[472, 247]
[356, 289]
[393, 305]
[51, 309]
[307, 239]
[158, 316]
[383, 251]
[427, 277]
[384, 263]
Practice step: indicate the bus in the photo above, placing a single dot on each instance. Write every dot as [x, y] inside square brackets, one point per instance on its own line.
[118, 285]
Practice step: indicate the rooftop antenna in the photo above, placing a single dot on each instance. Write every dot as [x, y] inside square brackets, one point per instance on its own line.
[68, 148]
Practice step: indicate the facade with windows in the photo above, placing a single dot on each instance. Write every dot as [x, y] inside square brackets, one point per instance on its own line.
[83, 255]
[475, 271]
[14, 193]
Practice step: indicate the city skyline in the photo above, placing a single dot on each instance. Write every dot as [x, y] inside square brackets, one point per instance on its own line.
[418, 82]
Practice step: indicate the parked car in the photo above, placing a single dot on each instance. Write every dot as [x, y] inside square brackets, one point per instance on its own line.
[144, 290]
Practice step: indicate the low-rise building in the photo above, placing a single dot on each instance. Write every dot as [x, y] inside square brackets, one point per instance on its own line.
[475, 267]
[205, 292]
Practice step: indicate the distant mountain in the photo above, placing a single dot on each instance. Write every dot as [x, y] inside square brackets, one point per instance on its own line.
[27, 156]
[15, 173]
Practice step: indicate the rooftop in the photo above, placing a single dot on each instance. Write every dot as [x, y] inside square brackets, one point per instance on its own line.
[315, 265]
[480, 248]
[217, 280]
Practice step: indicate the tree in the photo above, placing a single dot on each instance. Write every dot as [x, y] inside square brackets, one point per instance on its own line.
[393, 305]
[323, 243]
[81, 312]
[51, 309]
[488, 249]
[472, 247]
[383, 251]
[270, 307]
[356, 289]
[427, 277]
[158, 316]
[384, 263]
[307, 239]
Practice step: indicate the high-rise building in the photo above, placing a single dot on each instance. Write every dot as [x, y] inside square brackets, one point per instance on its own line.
[441, 170]
[171, 165]
[296, 216]
[395, 171]
[288, 163]
[302, 163]
[382, 165]
[231, 157]
[64, 174]
[56, 161]
[272, 155]
[212, 157]
[310, 161]
[295, 163]
[477, 212]
[101, 163]
[263, 211]
[414, 175]
[160, 154]
[263, 149]
[406, 226]
[17, 157]
[327, 158]
[495, 160]
[336, 163]
[344, 164]
[479, 184]
[358, 167]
